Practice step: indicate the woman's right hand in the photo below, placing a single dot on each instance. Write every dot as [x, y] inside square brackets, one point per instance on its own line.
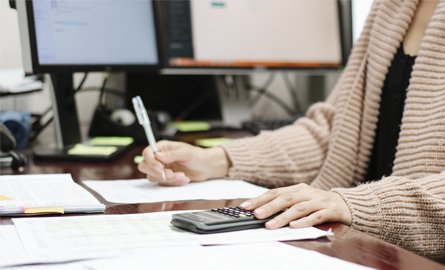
[183, 163]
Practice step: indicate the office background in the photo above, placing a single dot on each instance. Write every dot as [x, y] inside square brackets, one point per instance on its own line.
[10, 57]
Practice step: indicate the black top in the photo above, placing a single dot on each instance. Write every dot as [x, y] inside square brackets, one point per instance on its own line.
[390, 116]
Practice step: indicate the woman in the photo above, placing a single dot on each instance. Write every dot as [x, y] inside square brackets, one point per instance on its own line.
[371, 156]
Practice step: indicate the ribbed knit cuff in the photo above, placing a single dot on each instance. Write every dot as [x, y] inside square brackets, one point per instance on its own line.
[365, 208]
[244, 165]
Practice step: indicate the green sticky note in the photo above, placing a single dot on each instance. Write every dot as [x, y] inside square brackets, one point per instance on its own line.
[119, 141]
[191, 126]
[138, 159]
[211, 142]
[91, 150]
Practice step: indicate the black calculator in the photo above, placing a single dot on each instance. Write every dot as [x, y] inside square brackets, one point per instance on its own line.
[218, 220]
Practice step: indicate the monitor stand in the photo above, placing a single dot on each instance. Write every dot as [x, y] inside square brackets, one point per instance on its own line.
[67, 125]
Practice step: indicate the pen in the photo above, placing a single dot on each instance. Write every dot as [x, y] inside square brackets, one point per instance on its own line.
[141, 114]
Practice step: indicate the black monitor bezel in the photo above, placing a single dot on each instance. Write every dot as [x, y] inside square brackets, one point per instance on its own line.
[344, 7]
[50, 68]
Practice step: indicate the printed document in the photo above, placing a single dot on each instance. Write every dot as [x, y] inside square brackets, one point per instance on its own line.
[258, 256]
[44, 194]
[143, 191]
[90, 234]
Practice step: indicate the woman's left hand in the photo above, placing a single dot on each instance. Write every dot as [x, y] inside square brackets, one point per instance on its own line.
[303, 206]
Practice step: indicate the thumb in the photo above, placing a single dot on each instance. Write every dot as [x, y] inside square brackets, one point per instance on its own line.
[174, 155]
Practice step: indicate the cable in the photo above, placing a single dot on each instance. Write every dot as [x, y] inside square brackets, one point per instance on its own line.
[102, 91]
[79, 87]
[261, 89]
[278, 101]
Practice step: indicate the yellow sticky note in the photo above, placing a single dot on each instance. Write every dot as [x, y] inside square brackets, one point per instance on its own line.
[138, 159]
[118, 141]
[5, 198]
[44, 210]
[81, 149]
[211, 142]
[191, 126]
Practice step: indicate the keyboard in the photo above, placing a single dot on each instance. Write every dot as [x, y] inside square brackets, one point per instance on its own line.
[257, 125]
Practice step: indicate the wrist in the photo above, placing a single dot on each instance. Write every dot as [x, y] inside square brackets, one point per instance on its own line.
[219, 162]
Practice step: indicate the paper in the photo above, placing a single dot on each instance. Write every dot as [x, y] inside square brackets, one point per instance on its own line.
[81, 149]
[12, 252]
[212, 142]
[143, 191]
[43, 194]
[117, 141]
[14, 81]
[267, 256]
[104, 233]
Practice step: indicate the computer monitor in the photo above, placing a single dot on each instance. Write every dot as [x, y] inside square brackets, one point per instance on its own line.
[82, 35]
[60, 37]
[254, 34]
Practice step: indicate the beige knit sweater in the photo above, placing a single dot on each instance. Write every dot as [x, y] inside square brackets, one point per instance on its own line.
[331, 146]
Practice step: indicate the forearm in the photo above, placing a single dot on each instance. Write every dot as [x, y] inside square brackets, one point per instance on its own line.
[291, 155]
[407, 212]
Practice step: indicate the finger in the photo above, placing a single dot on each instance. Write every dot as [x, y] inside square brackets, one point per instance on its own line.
[174, 178]
[296, 212]
[165, 145]
[150, 160]
[181, 154]
[281, 202]
[152, 173]
[316, 218]
[261, 200]
[271, 194]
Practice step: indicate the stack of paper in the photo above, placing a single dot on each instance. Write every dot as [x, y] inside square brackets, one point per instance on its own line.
[44, 194]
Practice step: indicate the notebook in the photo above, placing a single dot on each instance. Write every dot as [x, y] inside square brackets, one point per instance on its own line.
[41, 194]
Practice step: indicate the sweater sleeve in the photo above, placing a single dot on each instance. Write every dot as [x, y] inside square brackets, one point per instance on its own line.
[293, 154]
[406, 212]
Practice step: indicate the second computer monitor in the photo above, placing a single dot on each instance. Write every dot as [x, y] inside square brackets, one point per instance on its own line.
[252, 34]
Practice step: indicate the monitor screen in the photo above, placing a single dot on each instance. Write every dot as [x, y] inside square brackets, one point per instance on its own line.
[252, 33]
[92, 35]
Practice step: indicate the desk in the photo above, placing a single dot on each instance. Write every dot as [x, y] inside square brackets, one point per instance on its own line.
[347, 243]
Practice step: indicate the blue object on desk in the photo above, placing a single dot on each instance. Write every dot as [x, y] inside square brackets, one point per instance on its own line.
[19, 125]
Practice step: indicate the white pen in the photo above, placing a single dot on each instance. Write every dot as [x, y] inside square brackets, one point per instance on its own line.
[144, 120]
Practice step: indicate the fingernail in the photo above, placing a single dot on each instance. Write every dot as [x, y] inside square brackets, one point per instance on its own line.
[246, 204]
[259, 212]
[271, 223]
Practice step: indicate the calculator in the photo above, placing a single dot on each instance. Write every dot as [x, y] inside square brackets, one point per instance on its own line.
[218, 220]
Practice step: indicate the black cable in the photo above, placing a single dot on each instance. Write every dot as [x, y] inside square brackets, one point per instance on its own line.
[293, 94]
[278, 101]
[102, 91]
[261, 90]
[79, 87]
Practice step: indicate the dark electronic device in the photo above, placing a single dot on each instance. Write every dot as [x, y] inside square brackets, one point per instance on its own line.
[63, 37]
[218, 220]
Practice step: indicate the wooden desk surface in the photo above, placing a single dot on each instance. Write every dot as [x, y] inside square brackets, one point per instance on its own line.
[347, 243]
